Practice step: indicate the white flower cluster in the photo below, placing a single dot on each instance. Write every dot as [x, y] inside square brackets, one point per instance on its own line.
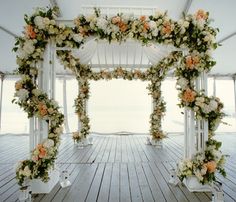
[183, 83]
[23, 94]
[205, 106]
[43, 22]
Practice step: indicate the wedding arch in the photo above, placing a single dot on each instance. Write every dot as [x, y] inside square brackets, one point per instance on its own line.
[193, 40]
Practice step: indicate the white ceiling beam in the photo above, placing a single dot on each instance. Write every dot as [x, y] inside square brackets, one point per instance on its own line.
[187, 6]
[55, 4]
[8, 31]
[227, 37]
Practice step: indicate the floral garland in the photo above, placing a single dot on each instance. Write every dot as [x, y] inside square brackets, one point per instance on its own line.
[155, 74]
[30, 48]
[191, 33]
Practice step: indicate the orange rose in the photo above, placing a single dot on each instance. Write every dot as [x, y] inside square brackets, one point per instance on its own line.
[42, 152]
[143, 18]
[189, 62]
[146, 27]
[201, 15]
[188, 95]
[122, 26]
[18, 85]
[211, 166]
[115, 20]
[166, 28]
[42, 109]
[195, 60]
[29, 30]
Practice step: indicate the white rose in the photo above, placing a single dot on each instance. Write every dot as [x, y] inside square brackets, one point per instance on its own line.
[155, 32]
[61, 26]
[102, 23]
[213, 105]
[183, 83]
[23, 94]
[206, 109]
[38, 21]
[203, 170]
[189, 164]
[131, 35]
[152, 25]
[90, 18]
[26, 172]
[78, 38]
[21, 53]
[186, 24]
[46, 21]
[200, 24]
[58, 130]
[115, 28]
[48, 143]
[37, 92]
[28, 47]
[54, 103]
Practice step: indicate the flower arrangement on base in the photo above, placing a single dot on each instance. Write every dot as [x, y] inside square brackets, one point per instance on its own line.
[77, 136]
[204, 164]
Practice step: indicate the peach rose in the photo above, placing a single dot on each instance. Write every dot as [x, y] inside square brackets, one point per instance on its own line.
[122, 26]
[35, 158]
[166, 28]
[18, 85]
[211, 166]
[146, 27]
[189, 95]
[116, 20]
[201, 15]
[120, 72]
[189, 62]
[42, 152]
[42, 109]
[195, 60]
[143, 18]
[29, 30]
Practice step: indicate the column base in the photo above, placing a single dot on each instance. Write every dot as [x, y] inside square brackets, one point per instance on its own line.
[193, 185]
[40, 187]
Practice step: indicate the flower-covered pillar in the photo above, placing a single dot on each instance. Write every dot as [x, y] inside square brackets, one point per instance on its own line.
[81, 108]
[46, 79]
[159, 109]
[196, 128]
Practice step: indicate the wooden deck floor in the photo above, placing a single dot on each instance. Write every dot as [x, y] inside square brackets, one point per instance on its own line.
[114, 168]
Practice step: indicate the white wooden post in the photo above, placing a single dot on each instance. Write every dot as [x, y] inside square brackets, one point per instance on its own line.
[38, 127]
[79, 123]
[196, 135]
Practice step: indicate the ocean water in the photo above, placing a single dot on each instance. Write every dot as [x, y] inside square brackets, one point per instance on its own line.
[117, 105]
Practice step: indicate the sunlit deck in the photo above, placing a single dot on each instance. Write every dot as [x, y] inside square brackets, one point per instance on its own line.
[114, 168]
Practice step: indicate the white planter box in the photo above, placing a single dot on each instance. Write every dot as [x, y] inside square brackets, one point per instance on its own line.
[193, 185]
[39, 187]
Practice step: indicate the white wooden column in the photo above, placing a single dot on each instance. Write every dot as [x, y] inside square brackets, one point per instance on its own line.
[66, 124]
[234, 80]
[196, 131]
[39, 127]
[79, 123]
[214, 86]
